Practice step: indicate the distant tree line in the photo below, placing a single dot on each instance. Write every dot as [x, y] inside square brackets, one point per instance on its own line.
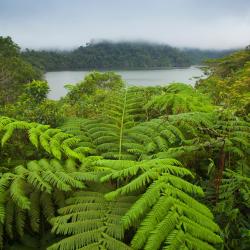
[122, 55]
[198, 56]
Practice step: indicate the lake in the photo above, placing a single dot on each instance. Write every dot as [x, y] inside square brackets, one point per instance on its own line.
[189, 75]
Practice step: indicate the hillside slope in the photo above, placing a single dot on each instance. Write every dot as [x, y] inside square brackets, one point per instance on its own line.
[106, 55]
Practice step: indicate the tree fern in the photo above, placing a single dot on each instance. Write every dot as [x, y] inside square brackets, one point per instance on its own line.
[179, 98]
[34, 192]
[53, 141]
[109, 134]
[145, 139]
[233, 136]
[166, 208]
[232, 206]
[90, 222]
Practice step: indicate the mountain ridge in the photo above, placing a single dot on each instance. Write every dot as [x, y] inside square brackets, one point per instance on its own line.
[108, 55]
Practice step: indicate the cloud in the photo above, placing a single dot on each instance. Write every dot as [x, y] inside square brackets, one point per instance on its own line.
[182, 23]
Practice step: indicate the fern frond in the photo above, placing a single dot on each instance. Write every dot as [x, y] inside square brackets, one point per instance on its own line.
[164, 206]
[90, 221]
[53, 141]
[26, 194]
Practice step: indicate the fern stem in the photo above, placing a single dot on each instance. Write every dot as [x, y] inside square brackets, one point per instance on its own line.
[219, 175]
[122, 120]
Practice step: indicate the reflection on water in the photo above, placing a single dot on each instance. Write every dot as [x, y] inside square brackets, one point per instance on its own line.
[58, 79]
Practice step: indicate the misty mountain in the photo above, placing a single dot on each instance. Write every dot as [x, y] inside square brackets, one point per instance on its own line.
[120, 55]
[198, 56]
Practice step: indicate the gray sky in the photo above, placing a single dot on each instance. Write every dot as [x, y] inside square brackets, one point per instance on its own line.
[70, 23]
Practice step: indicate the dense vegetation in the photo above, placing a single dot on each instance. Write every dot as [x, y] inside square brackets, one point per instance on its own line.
[128, 168]
[14, 71]
[122, 55]
[23, 93]
[229, 82]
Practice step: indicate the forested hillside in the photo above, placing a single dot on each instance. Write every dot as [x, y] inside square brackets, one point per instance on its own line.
[111, 167]
[122, 55]
[107, 55]
[198, 56]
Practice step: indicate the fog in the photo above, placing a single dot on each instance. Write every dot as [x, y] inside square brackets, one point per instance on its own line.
[63, 24]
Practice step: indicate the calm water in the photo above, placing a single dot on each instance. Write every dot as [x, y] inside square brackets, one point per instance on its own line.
[57, 80]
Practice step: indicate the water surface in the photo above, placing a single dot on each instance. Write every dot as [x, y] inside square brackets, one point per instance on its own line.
[58, 79]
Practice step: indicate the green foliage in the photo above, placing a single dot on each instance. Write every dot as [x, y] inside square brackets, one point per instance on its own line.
[87, 98]
[228, 85]
[232, 209]
[166, 213]
[178, 98]
[22, 94]
[190, 137]
[34, 192]
[47, 112]
[94, 81]
[113, 175]
[14, 71]
[51, 141]
[91, 222]
[33, 105]
[173, 136]
[109, 135]
[36, 91]
[8, 48]
[143, 175]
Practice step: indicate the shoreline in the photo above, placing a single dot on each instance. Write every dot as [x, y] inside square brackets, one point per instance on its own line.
[129, 69]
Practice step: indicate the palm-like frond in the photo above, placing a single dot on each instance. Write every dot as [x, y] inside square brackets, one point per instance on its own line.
[35, 191]
[109, 136]
[90, 222]
[166, 207]
[179, 98]
[53, 141]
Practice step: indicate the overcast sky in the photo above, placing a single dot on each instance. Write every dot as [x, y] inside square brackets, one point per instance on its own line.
[219, 24]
